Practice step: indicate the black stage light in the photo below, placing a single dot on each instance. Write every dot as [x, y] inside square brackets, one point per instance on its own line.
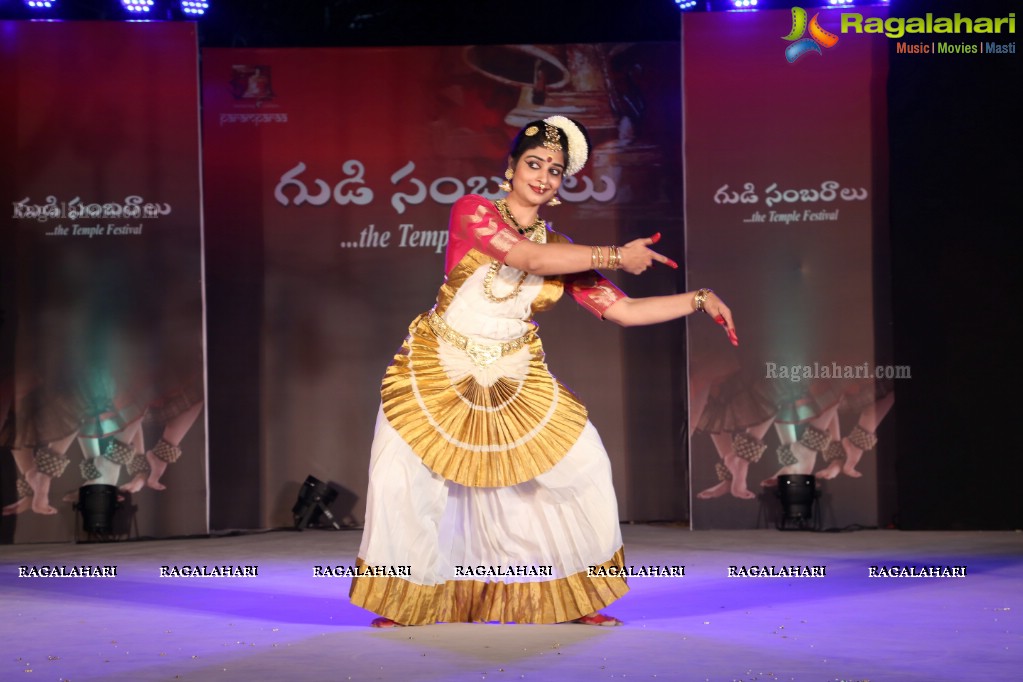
[314, 498]
[97, 504]
[799, 494]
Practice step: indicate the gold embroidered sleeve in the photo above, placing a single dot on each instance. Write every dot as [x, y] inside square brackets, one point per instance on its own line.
[593, 291]
[590, 289]
[475, 223]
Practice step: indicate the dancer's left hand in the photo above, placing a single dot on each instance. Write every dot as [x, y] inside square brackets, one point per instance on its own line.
[717, 309]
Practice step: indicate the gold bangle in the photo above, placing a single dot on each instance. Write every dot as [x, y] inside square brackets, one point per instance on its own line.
[700, 299]
[593, 258]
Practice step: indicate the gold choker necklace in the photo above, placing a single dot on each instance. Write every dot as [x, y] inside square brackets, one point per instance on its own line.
[506, 214]
[535, 232]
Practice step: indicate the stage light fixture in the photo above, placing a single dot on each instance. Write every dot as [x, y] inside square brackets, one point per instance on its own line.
[314, 498]
[194, 7]
[744, 4]
[137, 6]
[799, 494]
[686, 5]
[40, 4]
[97, 504]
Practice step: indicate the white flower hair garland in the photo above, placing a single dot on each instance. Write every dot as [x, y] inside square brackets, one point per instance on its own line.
[578, 151]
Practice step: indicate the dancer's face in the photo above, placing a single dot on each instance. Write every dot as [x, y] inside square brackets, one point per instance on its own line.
[538, 175]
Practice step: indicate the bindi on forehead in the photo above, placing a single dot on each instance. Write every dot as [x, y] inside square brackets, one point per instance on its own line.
[549, 159]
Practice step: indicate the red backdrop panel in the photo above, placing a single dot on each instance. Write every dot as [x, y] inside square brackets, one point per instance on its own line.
[101, 277]
[783, 164]
[343, 164]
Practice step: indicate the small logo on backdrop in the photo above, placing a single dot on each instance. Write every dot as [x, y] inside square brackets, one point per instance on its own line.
[801, 45]
[251, 82]
[253, 97]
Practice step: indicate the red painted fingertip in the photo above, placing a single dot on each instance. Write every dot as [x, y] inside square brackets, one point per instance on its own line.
[719, 319]
[733, 338]
[656, 238]
[671, 264]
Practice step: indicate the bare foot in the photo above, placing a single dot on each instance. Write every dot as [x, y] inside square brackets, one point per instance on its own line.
[156, 468]
[24, 504]
[739, 468]
[134, 485]
[852, 458]
[830, 471]
[742, 492]
[42, 508]
[714, 491]
[40, 483]
[384, 623]
[599, 619]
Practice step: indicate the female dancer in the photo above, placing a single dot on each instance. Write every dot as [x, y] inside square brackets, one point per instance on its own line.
[488, 486]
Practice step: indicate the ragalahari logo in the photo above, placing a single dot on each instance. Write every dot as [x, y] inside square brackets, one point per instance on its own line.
[818, 36]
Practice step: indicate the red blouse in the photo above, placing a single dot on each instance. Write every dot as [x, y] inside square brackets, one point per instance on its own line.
[476, 224]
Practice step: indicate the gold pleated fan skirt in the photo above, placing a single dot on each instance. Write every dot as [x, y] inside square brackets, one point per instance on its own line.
[499, 434]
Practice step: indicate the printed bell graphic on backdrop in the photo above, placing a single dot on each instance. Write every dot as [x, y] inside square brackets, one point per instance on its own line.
[597, 85]
[565, 79]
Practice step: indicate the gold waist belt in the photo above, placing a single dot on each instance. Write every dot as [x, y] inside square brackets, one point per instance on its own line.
[481, 354]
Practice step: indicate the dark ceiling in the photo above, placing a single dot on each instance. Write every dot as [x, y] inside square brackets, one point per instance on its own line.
[438, 22]
[299, 23]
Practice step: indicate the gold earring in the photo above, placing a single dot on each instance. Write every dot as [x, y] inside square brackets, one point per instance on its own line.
[506, 185]
[555, 201]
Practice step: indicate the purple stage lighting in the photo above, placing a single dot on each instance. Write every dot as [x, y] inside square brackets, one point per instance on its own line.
[686, 4]
[744, 4]
[194, 7]
[137, 6]
[40, 4]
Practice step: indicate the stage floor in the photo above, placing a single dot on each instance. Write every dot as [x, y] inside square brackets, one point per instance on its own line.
[285, 624]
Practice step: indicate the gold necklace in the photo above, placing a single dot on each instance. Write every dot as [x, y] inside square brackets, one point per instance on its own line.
[535, 232]
[502, 208]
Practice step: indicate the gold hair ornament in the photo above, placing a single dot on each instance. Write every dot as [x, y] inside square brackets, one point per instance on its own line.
[578, 151]
[552, 140]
